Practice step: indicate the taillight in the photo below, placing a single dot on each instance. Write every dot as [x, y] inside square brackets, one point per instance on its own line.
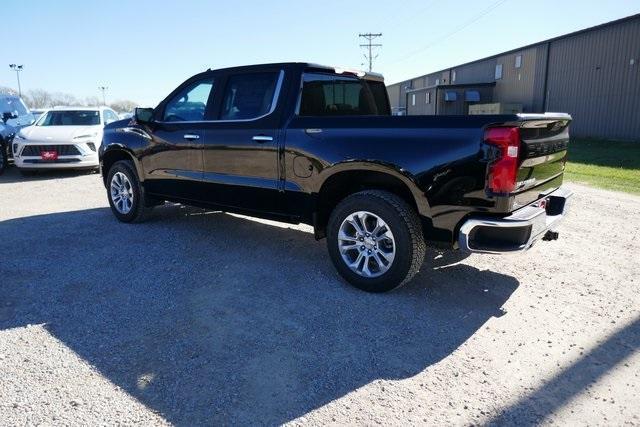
[502, 171]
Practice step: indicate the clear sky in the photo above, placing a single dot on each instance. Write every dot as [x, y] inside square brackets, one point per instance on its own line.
[143, 49]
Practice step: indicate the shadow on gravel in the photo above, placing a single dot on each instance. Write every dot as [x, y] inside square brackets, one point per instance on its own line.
[215, 319]
[559, 390]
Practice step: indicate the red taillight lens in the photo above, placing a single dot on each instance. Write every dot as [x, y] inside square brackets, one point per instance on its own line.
[502, 172]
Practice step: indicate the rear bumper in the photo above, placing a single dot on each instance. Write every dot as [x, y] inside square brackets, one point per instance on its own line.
[518, 231]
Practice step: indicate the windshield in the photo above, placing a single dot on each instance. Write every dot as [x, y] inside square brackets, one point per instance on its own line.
[12, 104]
[70, 118]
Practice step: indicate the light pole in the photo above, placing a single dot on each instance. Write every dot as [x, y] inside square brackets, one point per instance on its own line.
[103, 89]
[17, 68]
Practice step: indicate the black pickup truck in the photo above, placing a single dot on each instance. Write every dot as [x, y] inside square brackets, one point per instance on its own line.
[305, 143]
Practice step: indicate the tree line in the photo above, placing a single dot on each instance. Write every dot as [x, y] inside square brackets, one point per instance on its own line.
[40, 98]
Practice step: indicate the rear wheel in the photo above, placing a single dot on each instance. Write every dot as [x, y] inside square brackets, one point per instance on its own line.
[375, 240]
[126, 195]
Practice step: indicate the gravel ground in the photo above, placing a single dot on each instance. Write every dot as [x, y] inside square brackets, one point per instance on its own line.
[207, 318]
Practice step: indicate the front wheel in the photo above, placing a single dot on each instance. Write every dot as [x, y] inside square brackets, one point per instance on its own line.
[126, 195]
[375, 240]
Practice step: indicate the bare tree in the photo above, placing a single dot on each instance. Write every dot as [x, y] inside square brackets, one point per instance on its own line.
[37, 98]
[59, 98]
[92, 101]
[7, 91]
[123, 105]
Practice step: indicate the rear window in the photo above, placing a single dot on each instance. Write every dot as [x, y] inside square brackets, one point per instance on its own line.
[332, 95]
[70, 118]
[12, 104]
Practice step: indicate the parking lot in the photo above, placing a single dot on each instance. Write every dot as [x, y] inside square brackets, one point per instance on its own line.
[201, 317]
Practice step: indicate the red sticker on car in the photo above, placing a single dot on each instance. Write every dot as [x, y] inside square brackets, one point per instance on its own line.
[49, 155]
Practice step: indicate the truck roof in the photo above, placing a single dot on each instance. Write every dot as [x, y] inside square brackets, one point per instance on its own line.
[307, 65]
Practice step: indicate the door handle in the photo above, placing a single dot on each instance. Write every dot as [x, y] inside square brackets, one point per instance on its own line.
[262, 138]
[191, 136]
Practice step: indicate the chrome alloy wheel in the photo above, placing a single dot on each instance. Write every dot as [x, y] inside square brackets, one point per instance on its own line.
[121, 193]
[366, 244]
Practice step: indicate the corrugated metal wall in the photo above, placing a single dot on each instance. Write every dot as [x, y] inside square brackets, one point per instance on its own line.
[591, 76]
[421, 107]
[481, 71]
[517, 84]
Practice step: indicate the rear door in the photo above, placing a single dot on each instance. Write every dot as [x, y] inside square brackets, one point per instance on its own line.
[173, 164]
[241, 148]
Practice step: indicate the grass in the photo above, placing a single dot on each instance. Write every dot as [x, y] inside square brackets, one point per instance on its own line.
[613, 165]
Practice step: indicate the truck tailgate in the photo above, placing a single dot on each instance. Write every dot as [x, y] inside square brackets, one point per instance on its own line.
[543, 154]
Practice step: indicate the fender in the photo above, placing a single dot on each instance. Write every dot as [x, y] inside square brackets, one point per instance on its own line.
[367, 166]
[116, 147]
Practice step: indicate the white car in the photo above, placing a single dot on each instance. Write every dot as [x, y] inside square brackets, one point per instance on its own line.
[63, 138]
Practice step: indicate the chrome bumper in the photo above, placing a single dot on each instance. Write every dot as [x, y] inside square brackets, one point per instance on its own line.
[518, 231]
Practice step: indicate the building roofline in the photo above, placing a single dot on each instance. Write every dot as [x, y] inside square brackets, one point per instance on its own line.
[529, 46]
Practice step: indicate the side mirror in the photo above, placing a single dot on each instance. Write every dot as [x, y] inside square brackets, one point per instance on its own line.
[6, 116]
[143, 115]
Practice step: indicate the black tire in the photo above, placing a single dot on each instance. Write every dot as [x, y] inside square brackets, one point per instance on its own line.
[139, 207]
[407, 231]
[4, 158]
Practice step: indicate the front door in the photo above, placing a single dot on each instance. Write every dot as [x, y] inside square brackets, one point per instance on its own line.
[241, 167]
[173, 164]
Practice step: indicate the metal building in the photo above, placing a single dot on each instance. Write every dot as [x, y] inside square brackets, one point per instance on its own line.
[593, 74]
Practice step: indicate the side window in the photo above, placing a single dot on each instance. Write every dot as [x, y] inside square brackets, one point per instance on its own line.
[498, 75]
[109, 117]
[249, 96]
[331, 95]
[190, 104]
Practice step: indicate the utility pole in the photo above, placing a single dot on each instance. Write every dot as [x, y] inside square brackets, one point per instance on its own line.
[17, 68]
[103, 89]
[370, 37]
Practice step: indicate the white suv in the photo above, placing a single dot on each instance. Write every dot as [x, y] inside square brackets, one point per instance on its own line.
[63, 137]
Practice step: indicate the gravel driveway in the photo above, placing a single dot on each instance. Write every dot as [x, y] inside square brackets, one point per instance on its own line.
[206, 318]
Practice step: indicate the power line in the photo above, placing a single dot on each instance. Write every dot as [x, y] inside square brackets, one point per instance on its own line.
[471, 21]
[391, 22]
[370, 37]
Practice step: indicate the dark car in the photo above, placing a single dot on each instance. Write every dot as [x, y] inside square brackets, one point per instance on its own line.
[14, 115]
[304, 143]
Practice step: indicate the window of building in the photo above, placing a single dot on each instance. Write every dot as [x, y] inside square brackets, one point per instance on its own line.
[498, 71]
[428, 98]
[249, 96]
[331, 95]
[518, 61]
[413, 99]
[453, 76]
[437, 82]
[190, 103]
[472, 96]
[450, 96]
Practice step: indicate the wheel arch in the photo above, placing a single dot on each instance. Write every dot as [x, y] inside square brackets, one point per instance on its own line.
[114, 154]
[345, 181]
